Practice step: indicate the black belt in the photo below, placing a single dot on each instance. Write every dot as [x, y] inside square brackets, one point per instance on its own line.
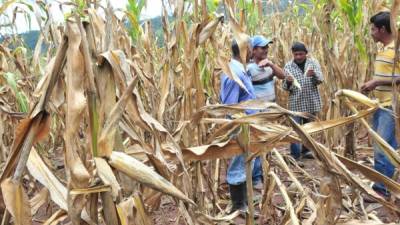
[263, 81]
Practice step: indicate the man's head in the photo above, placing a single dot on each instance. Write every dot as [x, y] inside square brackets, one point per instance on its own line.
[260, 47]
[299, 52]
[236, 51]
[380, 26]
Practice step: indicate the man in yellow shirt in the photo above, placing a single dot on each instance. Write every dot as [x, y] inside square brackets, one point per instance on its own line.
[381, 88]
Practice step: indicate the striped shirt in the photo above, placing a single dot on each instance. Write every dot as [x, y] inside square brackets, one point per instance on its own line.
[265, 90]
[383, 72]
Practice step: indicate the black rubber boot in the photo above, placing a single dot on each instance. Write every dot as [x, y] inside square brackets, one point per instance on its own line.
[238, 197]
[306, 154]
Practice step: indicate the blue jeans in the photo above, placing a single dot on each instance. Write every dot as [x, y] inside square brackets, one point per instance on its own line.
[236, 173]
[383, 123]
[296, 149]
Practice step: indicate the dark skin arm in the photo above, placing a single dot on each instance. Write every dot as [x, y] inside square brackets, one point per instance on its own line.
[278, 72]
[372, 84]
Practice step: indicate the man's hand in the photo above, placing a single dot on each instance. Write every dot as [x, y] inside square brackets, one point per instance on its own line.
[369, 86]
[289, 79]
[265, 63]
[310, 73]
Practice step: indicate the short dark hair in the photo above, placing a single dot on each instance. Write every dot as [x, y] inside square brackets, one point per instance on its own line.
[235, 48]
[381, 19]
[299, 47]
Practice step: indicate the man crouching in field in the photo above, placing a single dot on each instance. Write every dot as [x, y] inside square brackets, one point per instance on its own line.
[232, 93]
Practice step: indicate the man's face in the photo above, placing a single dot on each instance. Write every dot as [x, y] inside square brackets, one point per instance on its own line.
[299, 56]
[260, 53]
[376, 33]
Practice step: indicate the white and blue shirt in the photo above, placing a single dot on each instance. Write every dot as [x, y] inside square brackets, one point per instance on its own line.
[263, 82]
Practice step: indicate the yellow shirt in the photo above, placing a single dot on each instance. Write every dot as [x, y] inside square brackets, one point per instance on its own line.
[383, 72]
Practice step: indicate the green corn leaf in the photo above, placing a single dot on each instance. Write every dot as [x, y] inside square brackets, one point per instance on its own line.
[22, 101]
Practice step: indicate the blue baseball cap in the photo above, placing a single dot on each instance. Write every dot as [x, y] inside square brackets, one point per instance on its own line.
[260, 41]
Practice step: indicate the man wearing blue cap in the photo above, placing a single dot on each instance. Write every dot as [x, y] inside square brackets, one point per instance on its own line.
[262, 70]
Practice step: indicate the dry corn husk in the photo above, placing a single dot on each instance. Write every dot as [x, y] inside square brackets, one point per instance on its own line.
[142, 173]
[357, 96]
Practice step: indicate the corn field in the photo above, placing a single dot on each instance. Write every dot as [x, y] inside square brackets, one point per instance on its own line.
[108, 126]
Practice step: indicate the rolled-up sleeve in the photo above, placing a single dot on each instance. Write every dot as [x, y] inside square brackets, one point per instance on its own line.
[318, 78]
[285, 85]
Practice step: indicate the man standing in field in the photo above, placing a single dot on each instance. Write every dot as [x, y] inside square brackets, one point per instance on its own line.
[381, 87]
[302, 80]
[262, 70]
[232, 93]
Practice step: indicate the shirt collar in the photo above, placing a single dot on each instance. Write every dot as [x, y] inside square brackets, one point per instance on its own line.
[293, 63]
[389, 46]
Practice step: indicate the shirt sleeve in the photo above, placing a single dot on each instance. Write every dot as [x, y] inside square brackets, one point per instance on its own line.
[318, 78]
[285, 85]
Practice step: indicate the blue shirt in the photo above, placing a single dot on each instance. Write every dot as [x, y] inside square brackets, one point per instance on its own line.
[231, 92]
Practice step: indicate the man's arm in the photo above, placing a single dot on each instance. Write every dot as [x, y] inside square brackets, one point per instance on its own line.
[277, 71]
[316, 73]
[288, 80]
[386, 83]
[372, 84]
